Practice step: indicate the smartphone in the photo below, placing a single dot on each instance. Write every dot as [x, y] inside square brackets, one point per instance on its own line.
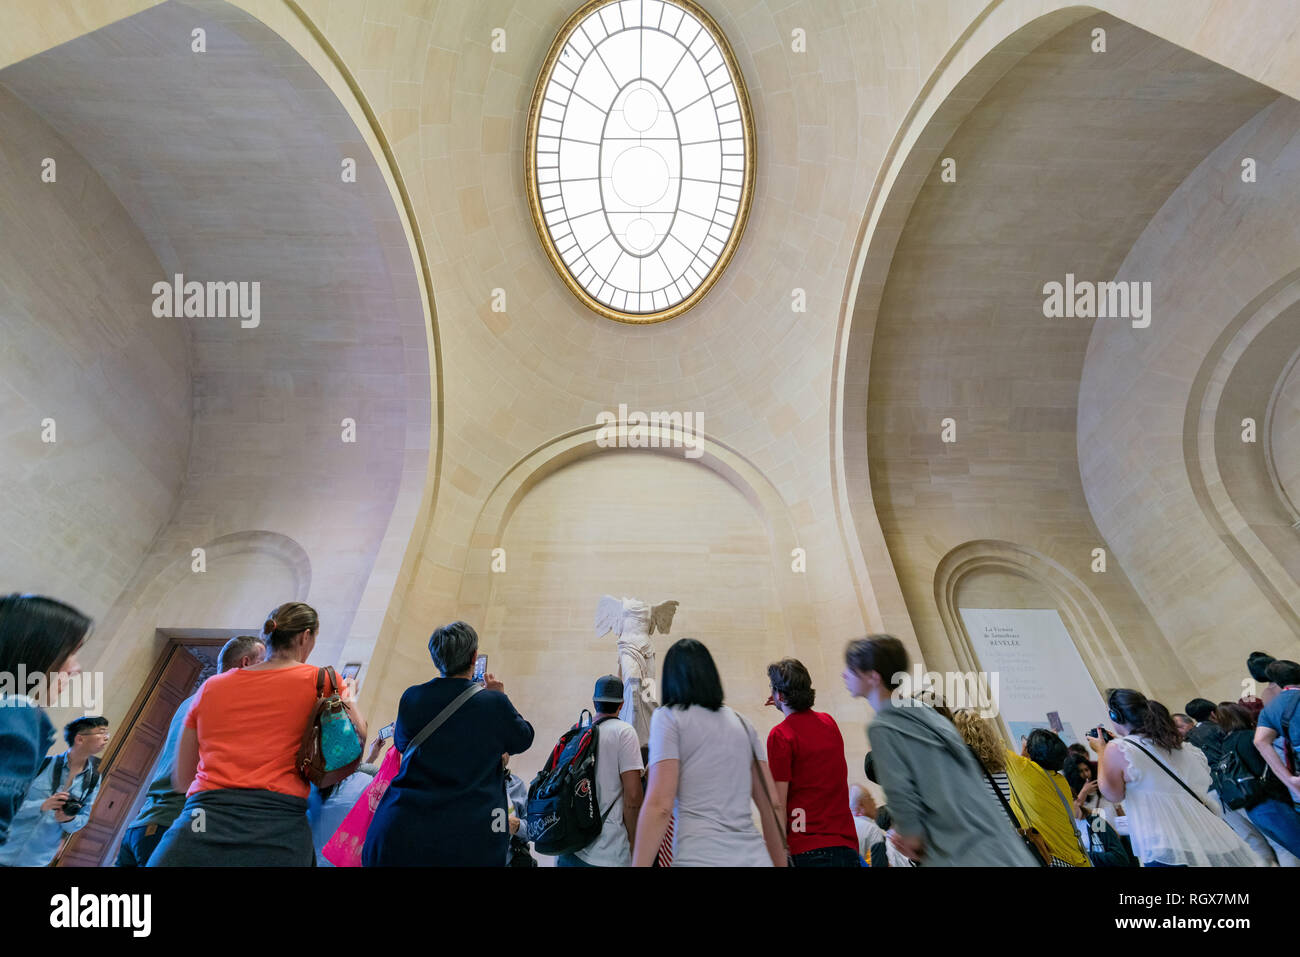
[351, 670]
[386, 731]
[1054, 721]
[480, 669]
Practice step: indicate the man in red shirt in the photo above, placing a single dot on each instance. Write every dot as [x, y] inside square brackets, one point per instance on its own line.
[806, 755]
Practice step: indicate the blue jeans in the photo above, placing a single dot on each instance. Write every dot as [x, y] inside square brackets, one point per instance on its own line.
[138, 843]
[571, 860]
[827, 857]
[1279, 822]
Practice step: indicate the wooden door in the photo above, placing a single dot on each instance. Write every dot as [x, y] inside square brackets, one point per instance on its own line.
[130, 758]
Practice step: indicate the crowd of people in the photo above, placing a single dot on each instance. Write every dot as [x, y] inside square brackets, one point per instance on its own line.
[1215, 785]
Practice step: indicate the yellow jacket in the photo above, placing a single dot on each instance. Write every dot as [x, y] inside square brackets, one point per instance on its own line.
[1032, 787]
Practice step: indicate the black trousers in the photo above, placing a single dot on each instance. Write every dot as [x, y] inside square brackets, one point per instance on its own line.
[827, 857]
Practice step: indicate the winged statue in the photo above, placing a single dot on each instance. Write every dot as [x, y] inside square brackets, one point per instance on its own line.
[633, 622]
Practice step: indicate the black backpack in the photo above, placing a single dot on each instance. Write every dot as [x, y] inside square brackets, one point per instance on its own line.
[1238, 786]
[563, 816]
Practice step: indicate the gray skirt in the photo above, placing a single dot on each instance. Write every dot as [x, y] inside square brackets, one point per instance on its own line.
[238, 828]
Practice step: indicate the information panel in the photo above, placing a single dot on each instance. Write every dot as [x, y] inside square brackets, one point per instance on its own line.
[1042, 681]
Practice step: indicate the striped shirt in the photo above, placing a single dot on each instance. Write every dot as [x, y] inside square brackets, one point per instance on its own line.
[998, 784]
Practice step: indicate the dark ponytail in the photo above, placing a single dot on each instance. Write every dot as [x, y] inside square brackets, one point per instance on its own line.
[1144, 716]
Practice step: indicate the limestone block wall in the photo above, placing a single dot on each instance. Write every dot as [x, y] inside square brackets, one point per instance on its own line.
[639, 525]
[231, 161]
[80, 347]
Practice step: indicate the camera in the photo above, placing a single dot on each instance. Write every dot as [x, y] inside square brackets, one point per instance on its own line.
[72, 807]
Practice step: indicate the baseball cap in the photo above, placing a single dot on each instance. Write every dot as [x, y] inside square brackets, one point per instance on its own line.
[608, 689]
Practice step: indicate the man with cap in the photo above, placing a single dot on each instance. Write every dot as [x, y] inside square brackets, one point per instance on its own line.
[618, 782]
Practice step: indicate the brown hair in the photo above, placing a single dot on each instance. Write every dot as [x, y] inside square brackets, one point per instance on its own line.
[1231, 716]
[883, 654]
[1144, 716]
[983, 740]
[790, 678]
[290, 619]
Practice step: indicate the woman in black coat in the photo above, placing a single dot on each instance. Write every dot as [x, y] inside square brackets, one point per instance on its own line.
[447, 806]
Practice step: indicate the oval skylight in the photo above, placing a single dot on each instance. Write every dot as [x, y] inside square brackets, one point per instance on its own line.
[640, 156]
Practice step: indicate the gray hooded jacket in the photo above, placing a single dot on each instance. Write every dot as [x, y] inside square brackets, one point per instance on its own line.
[934, 788]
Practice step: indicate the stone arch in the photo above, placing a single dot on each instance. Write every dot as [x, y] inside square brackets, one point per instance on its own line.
[375, 253]
[410, 525]
[580, 517]
[1099, 641]
[1279, 426]
[256, 541]
[138, 625]
[1257, 350]
[1161, 409]
[282, 560]
[985, 79]
[734, 468]
[985, 52]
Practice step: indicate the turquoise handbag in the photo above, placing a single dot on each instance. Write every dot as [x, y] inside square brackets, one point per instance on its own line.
[331, 749]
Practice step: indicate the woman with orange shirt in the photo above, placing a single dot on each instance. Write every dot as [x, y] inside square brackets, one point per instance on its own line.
[246, 802]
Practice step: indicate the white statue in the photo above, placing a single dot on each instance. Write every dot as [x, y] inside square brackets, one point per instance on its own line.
[634, 622]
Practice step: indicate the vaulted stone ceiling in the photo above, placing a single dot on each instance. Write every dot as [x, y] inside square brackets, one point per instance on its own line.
[230, 163]
[829, 122]
[1059, 168]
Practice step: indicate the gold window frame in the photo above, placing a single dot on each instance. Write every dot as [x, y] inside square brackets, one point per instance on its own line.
[747, 181]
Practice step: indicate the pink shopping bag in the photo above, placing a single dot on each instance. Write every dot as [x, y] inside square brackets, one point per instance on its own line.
[344, 848]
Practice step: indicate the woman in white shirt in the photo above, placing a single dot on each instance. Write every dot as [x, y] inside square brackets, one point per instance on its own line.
[706, 763]
[1164, 785]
